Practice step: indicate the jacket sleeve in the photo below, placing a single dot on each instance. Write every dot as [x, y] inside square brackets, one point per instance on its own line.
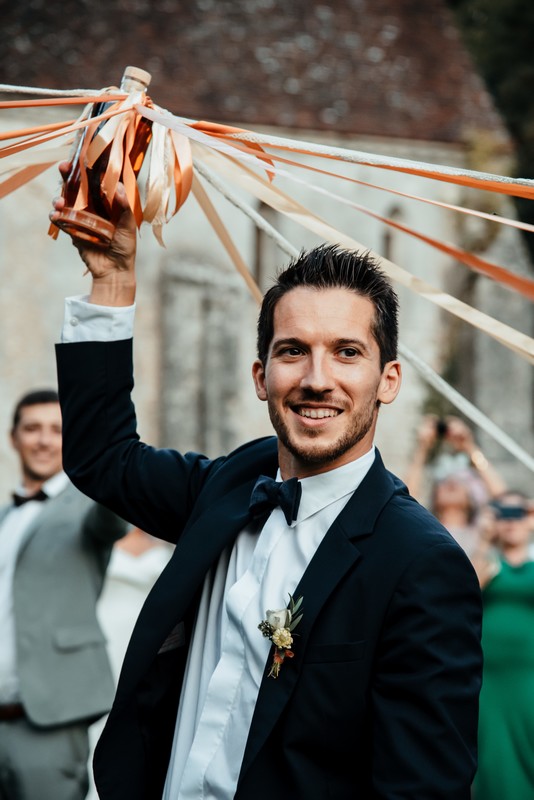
[428, 677]
[152, 488]
[103, 526]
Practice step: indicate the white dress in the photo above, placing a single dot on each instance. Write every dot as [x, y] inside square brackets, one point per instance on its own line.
[129, 579]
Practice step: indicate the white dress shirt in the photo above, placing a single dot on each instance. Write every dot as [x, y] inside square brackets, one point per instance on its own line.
[229, 655]
[13, 529]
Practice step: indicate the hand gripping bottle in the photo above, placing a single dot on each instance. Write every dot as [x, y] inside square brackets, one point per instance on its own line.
[96, 222]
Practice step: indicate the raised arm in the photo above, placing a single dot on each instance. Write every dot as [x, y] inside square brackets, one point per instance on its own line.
[461, 438]
[152, 488]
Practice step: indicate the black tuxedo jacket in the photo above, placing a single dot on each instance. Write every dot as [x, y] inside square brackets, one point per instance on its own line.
[381, 698]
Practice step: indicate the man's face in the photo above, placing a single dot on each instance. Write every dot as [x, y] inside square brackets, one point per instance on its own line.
[322, 379]
[452, 495]
[37, 440]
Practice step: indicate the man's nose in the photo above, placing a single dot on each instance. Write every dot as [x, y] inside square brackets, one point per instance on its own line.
[46, 438]
[318, 375]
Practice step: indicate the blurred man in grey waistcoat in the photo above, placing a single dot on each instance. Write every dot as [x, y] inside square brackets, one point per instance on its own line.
[55, 678]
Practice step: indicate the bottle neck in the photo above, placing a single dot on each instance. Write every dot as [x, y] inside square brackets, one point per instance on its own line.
[132, 85]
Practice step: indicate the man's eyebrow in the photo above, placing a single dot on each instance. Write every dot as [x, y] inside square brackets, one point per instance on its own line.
[358, 343]
[293, 341]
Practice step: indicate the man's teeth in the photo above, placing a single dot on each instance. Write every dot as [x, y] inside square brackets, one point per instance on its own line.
[318, 413]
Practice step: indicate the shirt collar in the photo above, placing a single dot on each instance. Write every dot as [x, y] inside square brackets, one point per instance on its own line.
[319, 491]
[52, 487]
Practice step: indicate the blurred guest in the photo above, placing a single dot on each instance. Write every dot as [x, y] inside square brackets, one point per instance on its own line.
[506, 728]
[136, 563]
[453, 503]
[447, 446]
[55, 676]
[450, 474]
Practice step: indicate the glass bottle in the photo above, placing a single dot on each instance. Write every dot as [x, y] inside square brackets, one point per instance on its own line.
[96, 222]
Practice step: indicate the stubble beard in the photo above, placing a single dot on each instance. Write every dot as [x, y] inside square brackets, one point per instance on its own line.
[40, 475]
[316, 454]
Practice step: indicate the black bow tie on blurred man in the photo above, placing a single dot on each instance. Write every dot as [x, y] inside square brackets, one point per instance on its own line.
[20, 499]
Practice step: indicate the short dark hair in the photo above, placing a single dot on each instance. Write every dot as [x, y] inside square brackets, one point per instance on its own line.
[34, 398]
[512, 493]
[503, 498]
[329, 266]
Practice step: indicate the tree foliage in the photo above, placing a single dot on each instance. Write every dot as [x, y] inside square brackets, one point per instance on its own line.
[500, 37]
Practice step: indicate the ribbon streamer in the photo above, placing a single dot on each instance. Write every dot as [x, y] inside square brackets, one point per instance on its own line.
[232, 142]
[517, 187]
[519, 283]
[227, 241]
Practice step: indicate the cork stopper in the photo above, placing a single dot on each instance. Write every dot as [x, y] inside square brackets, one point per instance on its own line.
[138, 75]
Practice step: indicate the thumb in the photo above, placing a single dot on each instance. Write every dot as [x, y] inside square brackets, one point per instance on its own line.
[126, 219]
[121, 198]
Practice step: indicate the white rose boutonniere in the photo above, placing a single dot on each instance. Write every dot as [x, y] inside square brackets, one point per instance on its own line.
[278, 626]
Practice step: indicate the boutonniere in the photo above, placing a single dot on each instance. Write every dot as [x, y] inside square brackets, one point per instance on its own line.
[278, 627]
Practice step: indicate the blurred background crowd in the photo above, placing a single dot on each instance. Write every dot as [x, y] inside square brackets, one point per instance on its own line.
[494, 523]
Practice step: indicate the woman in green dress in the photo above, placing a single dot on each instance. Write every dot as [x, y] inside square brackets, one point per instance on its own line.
[506, 727]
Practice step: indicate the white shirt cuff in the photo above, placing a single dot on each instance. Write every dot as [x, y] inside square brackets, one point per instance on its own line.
[87, 322]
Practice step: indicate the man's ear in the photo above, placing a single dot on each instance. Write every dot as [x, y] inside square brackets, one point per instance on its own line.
[390, 382]
[13, 439]
[258, 376]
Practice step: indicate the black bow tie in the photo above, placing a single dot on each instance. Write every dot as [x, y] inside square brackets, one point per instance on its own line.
[268, 494]
[20, 499]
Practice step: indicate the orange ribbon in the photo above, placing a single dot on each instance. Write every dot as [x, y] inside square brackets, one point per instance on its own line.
[105, 97]
[169, 178]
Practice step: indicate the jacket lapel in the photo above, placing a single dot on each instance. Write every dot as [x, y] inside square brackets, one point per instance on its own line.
[336, 555]
[212, 527]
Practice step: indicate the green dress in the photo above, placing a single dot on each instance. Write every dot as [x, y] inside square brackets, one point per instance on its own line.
[506, 728]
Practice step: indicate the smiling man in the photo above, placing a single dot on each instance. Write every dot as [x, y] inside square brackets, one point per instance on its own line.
[364, 682]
